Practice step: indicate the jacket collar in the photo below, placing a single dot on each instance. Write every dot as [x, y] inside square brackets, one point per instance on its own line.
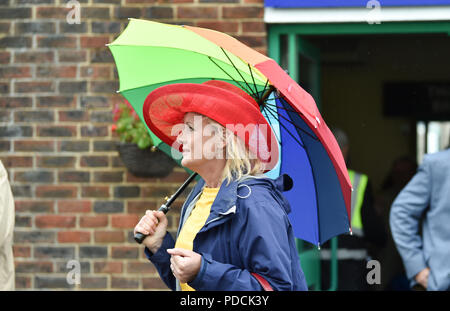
[225, 202]
[225, 199]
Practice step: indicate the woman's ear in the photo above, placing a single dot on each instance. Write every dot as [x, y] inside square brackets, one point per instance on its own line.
[223, 139]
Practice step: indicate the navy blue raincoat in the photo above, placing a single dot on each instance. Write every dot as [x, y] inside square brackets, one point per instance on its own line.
[247, 231]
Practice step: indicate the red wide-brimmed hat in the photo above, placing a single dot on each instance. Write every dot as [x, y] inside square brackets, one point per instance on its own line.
[223, 102]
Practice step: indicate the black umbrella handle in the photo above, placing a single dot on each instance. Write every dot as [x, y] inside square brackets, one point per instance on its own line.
[139, 237]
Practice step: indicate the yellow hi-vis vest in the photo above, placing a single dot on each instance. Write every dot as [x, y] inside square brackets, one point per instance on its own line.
[359, 183]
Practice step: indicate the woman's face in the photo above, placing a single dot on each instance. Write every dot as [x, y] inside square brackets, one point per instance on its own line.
[200, 143]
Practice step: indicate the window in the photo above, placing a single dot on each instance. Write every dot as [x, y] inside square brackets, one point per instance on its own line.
[432, 136]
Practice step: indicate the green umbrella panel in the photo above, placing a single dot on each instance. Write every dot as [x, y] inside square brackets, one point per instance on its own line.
[150, 54]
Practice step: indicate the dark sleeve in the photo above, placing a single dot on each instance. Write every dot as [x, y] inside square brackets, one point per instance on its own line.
[161, 260]
[262, 240]
[373, 227]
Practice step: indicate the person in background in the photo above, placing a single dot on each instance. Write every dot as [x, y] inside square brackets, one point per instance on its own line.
[366, 226]
[6, 232]
[424, 205]
[393, 274]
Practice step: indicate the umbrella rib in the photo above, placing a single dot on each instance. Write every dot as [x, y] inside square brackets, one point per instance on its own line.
[287, 129]
[280, 115]
[278, 139]
[253, 79]
[210, 58]
[285, 109]
[253, 95]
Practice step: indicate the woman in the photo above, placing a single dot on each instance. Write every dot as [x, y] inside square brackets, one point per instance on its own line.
[233, 227]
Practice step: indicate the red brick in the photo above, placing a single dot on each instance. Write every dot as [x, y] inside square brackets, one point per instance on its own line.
[139, 207]
[124, 252]
[69, 42]
[124, 221]
[175, 177]
[33, 145]
[15, 102]
[33, 267]
[109, 236]
[94, 161]
[94, 41]
[256, 12]
[21, 251]
[52, 12]
[34, 57]
[97, 221]
[56, 71]
[5, 57]
[55, 161]
[17, 161]
[158, 191]
[56, 191]
[140, 267]
[8, 72]
[23, 282]
[74, 237]
[153, 283]
[253, 27]
[56, 101]
[57, 131]
[34, 87]
[72, 56]
[95, 192]
[77, 206]
[55, 221]
[121, 282]
[95, 72]
[197, 12]
[131, 178]
[73, 116]
[108, 267]
[34, 206]
[94, 282]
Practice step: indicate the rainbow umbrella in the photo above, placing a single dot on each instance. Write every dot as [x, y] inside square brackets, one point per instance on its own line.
[150, 54]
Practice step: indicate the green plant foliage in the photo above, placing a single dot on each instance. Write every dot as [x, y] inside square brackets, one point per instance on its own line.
[129, 127]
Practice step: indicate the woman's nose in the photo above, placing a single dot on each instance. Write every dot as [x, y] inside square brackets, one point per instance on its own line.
[180, 138]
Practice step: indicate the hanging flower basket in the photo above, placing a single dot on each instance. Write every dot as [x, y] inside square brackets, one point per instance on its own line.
[149, 162]
[136, 147]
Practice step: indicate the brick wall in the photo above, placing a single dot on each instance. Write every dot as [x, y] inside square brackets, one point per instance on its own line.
[74, 198]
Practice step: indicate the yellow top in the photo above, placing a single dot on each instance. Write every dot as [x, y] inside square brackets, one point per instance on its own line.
[195, 222]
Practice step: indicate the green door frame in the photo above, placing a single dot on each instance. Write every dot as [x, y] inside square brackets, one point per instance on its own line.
[295, 45]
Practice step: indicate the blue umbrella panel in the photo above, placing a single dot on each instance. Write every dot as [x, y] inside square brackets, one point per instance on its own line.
[318, 207]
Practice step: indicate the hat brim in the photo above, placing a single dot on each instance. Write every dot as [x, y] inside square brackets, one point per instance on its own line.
[166, 106]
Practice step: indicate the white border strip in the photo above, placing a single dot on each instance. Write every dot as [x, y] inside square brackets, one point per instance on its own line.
[369, 15]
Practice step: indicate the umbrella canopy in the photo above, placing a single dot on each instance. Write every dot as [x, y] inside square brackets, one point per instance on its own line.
[151, 54]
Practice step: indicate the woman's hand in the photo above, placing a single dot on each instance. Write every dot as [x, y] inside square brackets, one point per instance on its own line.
[185, 264]
[154, 225]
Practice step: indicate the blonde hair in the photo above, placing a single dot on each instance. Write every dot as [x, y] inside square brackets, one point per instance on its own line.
[241, 163]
